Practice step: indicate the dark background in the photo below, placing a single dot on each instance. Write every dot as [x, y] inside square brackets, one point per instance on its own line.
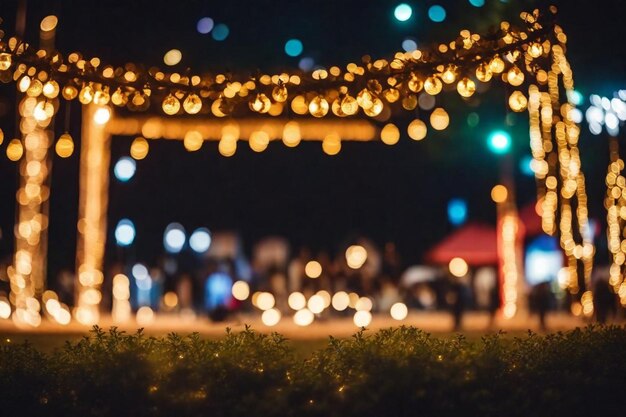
[396, 193]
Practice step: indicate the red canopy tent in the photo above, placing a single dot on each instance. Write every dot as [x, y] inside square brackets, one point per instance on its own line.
[475, 243]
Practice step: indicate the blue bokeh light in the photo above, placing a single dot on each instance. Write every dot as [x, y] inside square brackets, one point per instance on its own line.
[174, 238]
[125, 169]
[525, 166]
[437, 13]
[457, 211]
[220, 32]
[125, 232]
[409, 45]
[205, 25]
[403, 12]
[477, 3]
[306, 64]
[499, 142]
[293, 47]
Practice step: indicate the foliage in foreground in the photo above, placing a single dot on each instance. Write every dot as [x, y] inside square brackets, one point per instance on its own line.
[395, 372]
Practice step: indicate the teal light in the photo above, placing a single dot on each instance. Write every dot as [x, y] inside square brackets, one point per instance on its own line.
[575, 97]
[403, 12]
[499, 142]
[220, 32]
[293, 47]
[437, 13]
[477, 3]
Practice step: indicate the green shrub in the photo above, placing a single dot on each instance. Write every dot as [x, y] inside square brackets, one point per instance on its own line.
[394, 372]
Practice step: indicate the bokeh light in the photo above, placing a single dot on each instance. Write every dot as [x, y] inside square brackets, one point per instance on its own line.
[315, 304]
[125, 168]
[499, 142]
[172, 57]
[265, 301]
[356, 255]
[313, 269]
[436, 13]
[306, 64]
[240, 290]
[340, 301]
[457, 211]
[296, 301]
[403, 12]
[458, 267]
[477, 3]
[399, 311]
[362, 318]
[200, 240]
[205, 25]
[174, 238]
[271, 317]
[220, 32]
[303, 317]
[293, 47]
[409, 45]
[125, 232]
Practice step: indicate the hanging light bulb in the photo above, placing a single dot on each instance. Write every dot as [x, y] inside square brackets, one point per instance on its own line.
[35, 88]
[69, 92]
[449, 75]
[64, 146]
[515, 76]
[24, 84]
[51, 89]
[261, 103]
[86, 94]
[119, 98]
[496, 65]
[415, 83]
[376, 108]
[170, 105]
[392, 95]
[101, 97]
[390, 134]
[349, 105]
[518, 101]
[5, 61]
[466, 87]
[439, 119]
[279, 93]
[335, 107]
[433, 85]
[417, 129]
[192, 104]
[318, 107]
[483, 72]
[535, 50]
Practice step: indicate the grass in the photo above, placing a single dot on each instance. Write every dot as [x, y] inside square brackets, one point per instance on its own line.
[393, 372]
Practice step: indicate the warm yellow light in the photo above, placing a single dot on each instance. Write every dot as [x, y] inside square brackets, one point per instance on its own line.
[315, 304]
[227, 146]
[331, 145]
[240, 290]
[313, 269]
[303, 317]
[51, 89]
[193, 140]
[265, 301]
[144, 316]
[170, 105]
[15, 150]
[172, 57]
[259, 140]
[49, 23]
[291, 134]
[170, 299]
[439, 119]
[271, 317]
[192, 104]
[340, 301]
[139, 148]
[64, 146]
[399, 311]
[296, 301]
[433, 85]
[458, 267]
[515, 76]
[390, 135]
[356, 255]
[466, 87]
[362, 318]
[102, 115]
[318, 107]
[364, 304]
[499, 193]
[518, 101]
[417, 129]
[5, 61]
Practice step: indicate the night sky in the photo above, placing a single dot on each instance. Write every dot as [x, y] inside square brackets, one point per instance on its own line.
[396, 193]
